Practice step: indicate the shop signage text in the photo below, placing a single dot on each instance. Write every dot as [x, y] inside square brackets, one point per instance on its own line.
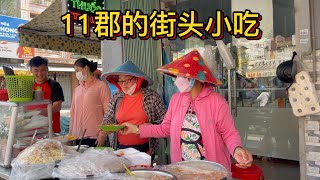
[161, 24]
[78, 7]
[13, 50]
[258, 74]
[9, 28]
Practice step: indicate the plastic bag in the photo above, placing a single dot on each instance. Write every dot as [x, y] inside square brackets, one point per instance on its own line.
[136, 157]
[92, 163]
[38, 161]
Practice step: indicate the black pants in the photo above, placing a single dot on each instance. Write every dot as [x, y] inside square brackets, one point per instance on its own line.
[89, 142]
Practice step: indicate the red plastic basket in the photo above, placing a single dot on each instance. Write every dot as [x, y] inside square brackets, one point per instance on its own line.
[4, 95]
[252, 173]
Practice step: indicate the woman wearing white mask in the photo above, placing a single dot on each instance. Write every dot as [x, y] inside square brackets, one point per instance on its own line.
[89, 103]
[198, 121]
[133, 103]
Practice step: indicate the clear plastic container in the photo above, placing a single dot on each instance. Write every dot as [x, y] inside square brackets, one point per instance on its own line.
[17, 148]
[38, 94]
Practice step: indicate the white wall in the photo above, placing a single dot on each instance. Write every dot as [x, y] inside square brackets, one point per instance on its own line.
[264, 7]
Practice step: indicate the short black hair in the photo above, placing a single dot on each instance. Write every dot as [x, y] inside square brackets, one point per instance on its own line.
[38, 61]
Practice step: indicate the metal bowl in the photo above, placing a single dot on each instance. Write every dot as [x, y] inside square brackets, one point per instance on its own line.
[206, 165]
[201, 164]
[146, 173]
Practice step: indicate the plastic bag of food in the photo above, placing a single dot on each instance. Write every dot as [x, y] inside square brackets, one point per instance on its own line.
[38, 161]
[92, 163]
[37, 121]
[127, 151]
[136, 157]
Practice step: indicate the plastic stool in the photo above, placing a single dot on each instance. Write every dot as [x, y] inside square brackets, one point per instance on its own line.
[252, 173]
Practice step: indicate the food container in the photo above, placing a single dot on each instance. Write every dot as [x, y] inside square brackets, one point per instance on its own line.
[153, 174]
[207, 165]
[197, 169]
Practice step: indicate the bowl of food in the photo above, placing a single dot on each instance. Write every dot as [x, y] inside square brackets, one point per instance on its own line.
[197, 169]
[153, 174]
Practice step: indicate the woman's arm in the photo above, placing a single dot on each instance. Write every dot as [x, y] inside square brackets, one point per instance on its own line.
[105, 96]
[157, 131]
[225, 126]
[72, 113]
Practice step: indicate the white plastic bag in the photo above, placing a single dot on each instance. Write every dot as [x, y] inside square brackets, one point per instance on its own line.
[92, 163]
[38, 161]
[136, 157]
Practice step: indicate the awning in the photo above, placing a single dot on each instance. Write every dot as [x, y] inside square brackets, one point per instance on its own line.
[47, 31]
[18, 69]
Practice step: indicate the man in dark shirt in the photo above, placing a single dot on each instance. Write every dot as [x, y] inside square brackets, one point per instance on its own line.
[51, 89]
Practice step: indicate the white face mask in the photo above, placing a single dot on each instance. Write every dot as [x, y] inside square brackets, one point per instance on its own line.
[80, 76]
[183, 84]
[130, 91]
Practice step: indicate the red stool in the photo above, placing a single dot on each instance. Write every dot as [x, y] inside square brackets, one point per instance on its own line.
[252, 173]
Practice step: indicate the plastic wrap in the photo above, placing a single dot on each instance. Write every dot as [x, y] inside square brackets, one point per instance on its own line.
[136, 157]
[92, 163]
[38, 161]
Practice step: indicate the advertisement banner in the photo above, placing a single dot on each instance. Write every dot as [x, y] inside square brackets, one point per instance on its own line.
[13, 50]
[9, 28]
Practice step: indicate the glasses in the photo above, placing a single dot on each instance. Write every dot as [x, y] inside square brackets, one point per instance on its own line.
[125, 81]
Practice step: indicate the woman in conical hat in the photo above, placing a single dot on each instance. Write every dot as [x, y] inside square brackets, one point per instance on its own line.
[198, 121]
[133, 103]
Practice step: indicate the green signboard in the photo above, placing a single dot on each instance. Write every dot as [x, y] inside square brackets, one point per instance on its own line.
[79, 7]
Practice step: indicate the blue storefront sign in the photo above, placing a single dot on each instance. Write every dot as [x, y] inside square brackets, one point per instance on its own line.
[9, 28]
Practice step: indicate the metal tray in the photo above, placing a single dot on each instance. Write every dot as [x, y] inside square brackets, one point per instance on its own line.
[201, 164]
[145, 173]
[198, 165]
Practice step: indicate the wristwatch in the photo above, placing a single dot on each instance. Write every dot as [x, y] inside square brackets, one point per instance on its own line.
[137, 130]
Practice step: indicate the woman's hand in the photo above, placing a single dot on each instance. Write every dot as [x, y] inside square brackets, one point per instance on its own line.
[243, 157]
[129, 129]
[101, 140]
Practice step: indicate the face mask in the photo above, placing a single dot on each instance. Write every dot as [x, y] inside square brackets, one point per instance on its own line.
[130, 91]
[183, 84]
[81, 77]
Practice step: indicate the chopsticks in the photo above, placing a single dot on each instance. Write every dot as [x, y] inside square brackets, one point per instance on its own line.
[127, 170]
[33, 137]
[81, 140]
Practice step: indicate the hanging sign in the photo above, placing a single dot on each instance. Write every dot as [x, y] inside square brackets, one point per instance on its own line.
[80, 7]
